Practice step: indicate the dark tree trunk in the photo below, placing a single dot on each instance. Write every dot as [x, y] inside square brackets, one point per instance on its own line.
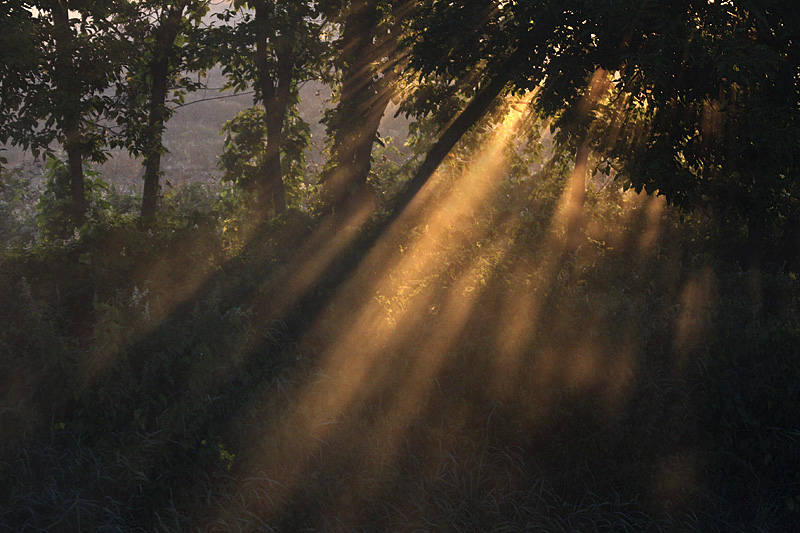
[270, 192]
[68, 118]
[275, 111]
[475, 110]
[77, 187]
[367, 89]
[155, 128]
[152, 188]
[273, 189]
[163, 55]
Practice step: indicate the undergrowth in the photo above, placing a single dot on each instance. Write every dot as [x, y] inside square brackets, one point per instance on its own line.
[149, 385]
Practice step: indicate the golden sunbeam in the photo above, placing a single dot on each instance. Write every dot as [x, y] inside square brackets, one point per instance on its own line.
[652, 231]
[369, 321]
[571, 358]
[441, 304]
[690, 327]
[314, 258]
[405, 393]
[517, 324]
[417, 259]
[441, 333]
[533, 281]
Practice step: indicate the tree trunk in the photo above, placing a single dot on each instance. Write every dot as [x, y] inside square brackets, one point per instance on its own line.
[163, 55]
[270, 192]
[475, 110]
[276, 109]
[69, 118]
[367, 89]
[155, 128]
[272, 179]
[152, 188]
[77, 188]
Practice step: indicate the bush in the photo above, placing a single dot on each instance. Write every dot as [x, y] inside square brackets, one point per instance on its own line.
[18, 198]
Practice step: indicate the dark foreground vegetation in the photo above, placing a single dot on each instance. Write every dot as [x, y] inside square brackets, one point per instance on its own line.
[523, 367]
[567, 300]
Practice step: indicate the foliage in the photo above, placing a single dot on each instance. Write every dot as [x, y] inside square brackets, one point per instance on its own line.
[62, 59]
[243, 157]
[145, 26]
[235, 42]
[694, 100]
[368, 63]
[56, 219]
[514, 361]
[52, 72]
[754, 368]
[272, 48]
[148, 366]
[388, 171]
[18, 198]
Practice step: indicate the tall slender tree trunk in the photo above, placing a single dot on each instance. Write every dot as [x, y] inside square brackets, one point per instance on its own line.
[77, 186]
[273, 186]
[163, 56]
[155, 128]
[69, 117]
[275, 110]
[270, 191]
[482, 102]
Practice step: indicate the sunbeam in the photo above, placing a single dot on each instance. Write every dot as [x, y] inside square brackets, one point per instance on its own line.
[386, 336]
[557, 290]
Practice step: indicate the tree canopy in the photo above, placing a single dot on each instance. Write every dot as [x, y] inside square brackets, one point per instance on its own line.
[696, 99]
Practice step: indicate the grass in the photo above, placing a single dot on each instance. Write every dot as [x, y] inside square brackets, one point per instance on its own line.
[621, 373]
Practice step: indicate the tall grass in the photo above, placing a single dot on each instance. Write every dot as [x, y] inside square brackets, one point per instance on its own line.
[621, 373]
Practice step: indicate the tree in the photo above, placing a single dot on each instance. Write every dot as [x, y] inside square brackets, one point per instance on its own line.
[369, 60]
[164, 40]
[272, 49]
[58, 59]
[244, 153]
[719, 125]
[470, 50]
[698, 100]
[18, 73]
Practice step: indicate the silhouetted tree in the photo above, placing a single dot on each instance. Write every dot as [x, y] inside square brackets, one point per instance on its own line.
[272, 46]
[165, 49]
[369, 59]
[698, 100]
[58, 58]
